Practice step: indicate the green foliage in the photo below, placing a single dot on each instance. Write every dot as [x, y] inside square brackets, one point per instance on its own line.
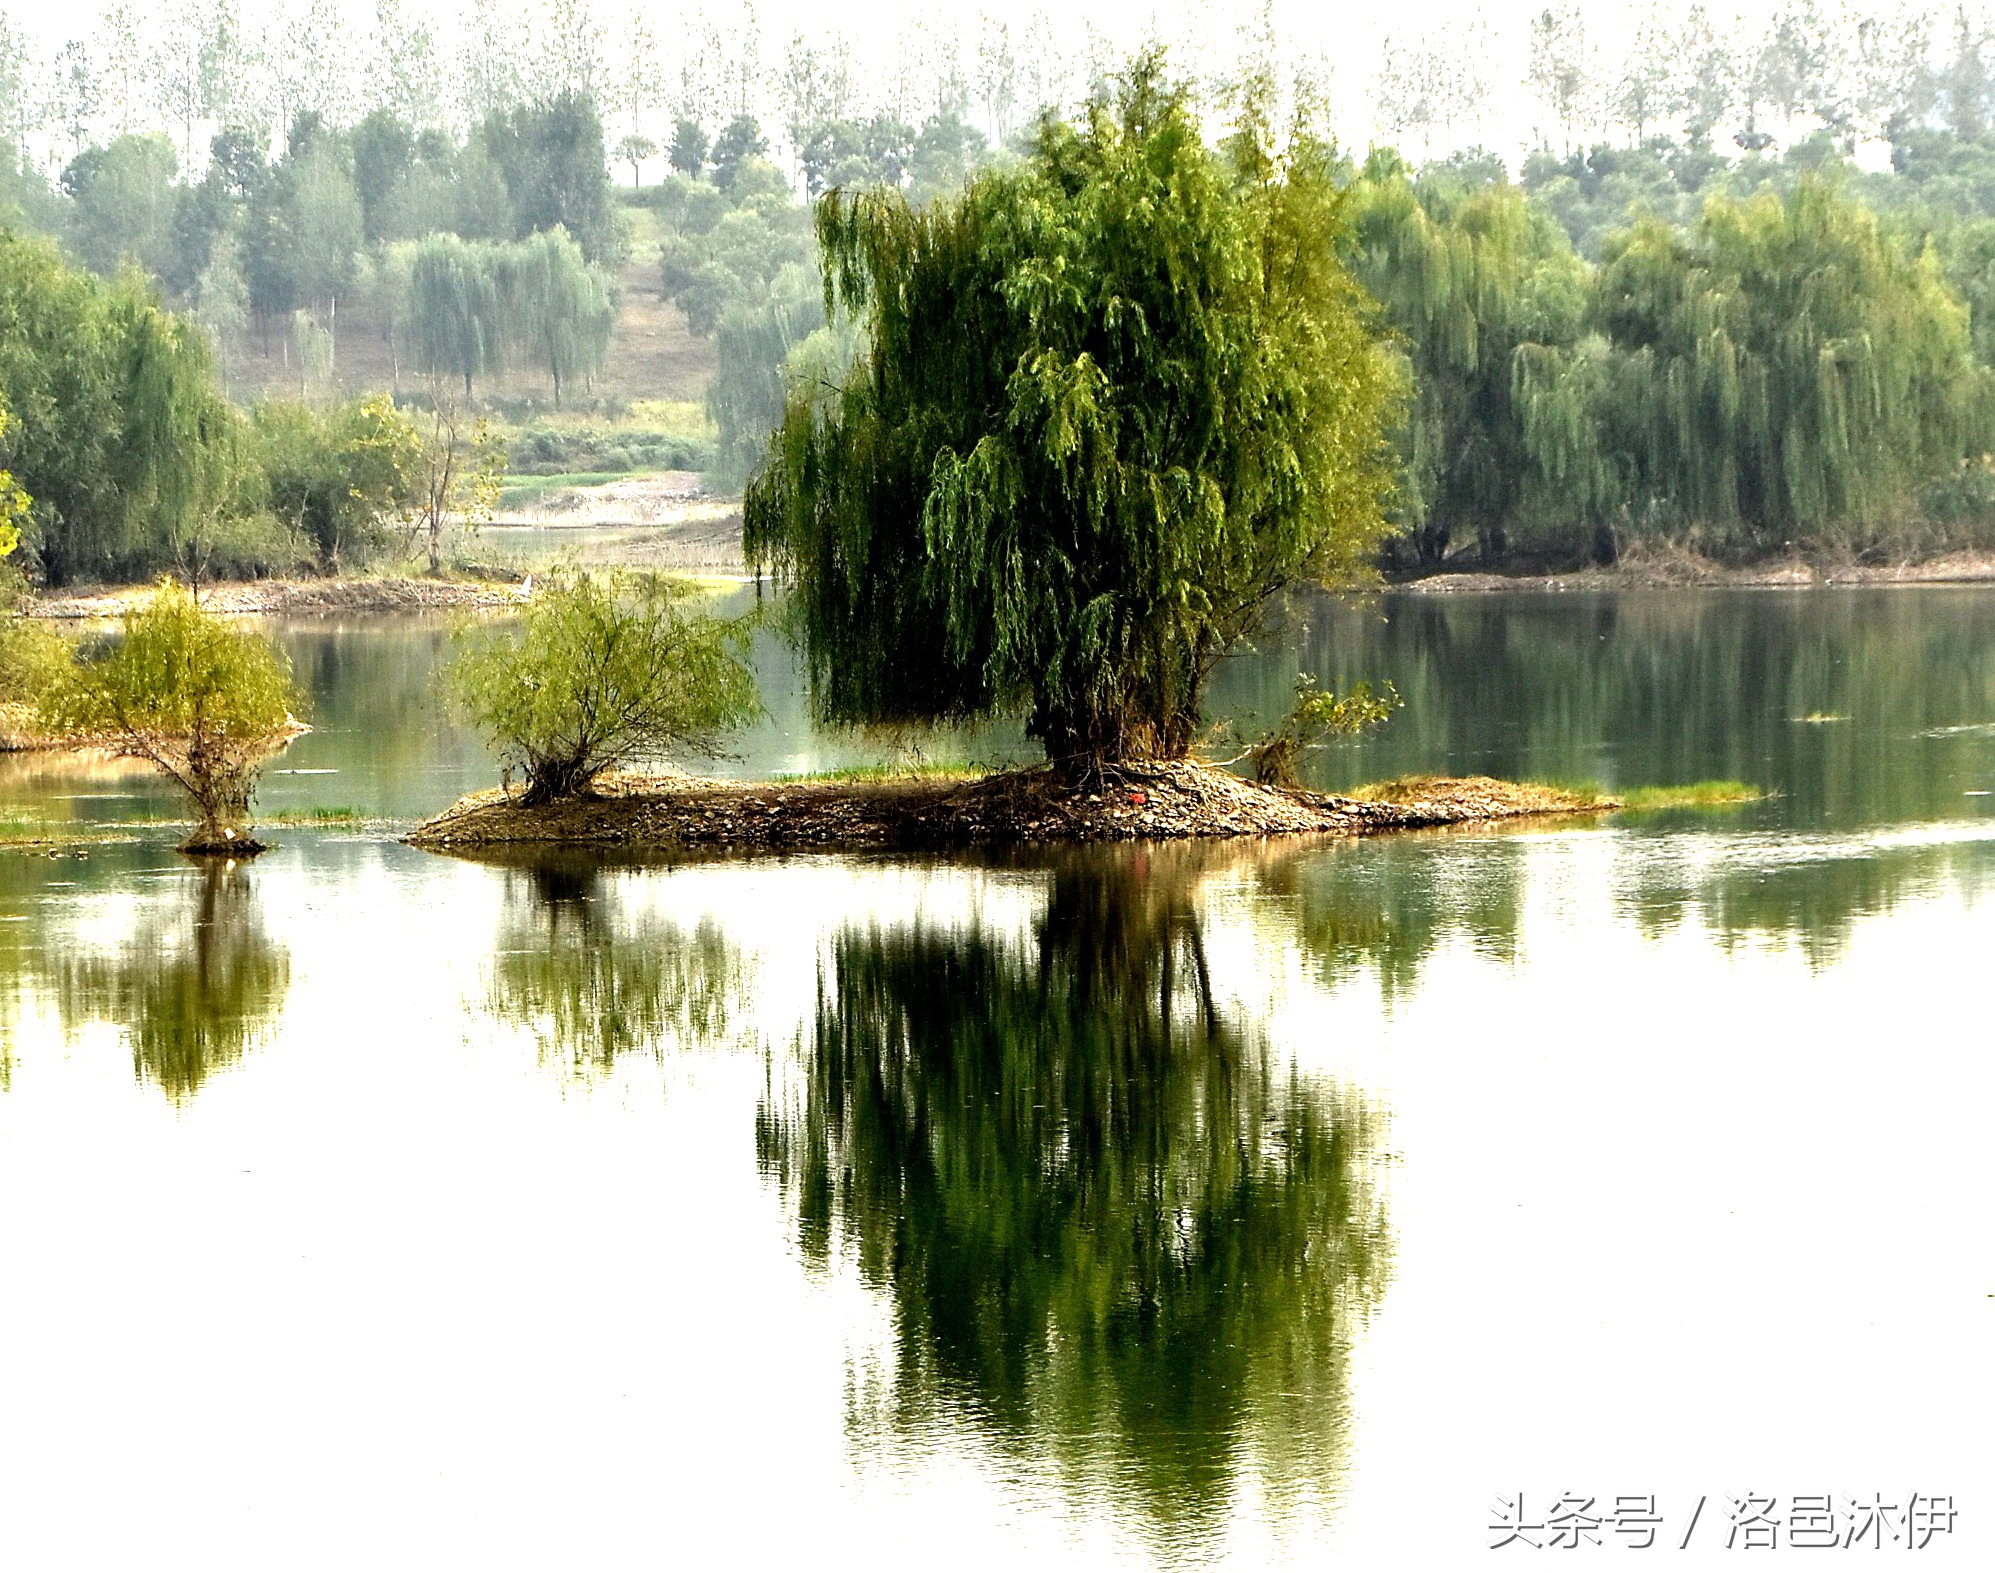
[552, 159]
[1465, 278]
[634, 150]
[845, 154]
[123, 203]
[463, 308]
[27, 201]
[688, 153]
[1318, 714]
[733, 263]
[338, 477]
[756, 339]
[14, 502]
[1694, 794]
[603, 671]
[559, 309]
[1595, 193]
[740, 142]
[34, 659]
[125, 443]
[603, 450]
[1787, 369]
[323, 224]
[458, 471]
[203, 701]
[1113, 402]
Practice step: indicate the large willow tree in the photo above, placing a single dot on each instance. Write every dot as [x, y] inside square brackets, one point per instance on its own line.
[1787, 370]
[121, 434]
[1465, 278]
[1115, 400]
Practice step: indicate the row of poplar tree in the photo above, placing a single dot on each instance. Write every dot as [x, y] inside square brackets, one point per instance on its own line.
[254, 241]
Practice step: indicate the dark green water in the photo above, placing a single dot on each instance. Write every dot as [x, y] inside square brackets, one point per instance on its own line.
[1182, 1206]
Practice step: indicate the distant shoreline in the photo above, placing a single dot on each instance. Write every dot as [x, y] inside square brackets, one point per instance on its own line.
[702, 550]
[289, 597]
[1683, 570]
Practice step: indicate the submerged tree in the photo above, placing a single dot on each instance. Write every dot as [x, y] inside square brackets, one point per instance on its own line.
[1114, 401]
[204, 702]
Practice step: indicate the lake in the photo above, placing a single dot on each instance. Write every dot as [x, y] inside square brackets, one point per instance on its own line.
[1185, 1206]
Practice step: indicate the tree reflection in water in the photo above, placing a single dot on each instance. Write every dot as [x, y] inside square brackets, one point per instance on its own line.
[1387, 904]
[196, 985]
[594, 980]
[1113, 1231]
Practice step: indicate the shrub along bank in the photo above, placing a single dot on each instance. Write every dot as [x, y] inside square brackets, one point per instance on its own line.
[134, 462]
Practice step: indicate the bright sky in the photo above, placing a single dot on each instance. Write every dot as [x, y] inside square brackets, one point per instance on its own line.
[1347, 40]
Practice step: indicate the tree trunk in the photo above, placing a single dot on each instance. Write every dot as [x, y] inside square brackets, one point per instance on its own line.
[551, 780]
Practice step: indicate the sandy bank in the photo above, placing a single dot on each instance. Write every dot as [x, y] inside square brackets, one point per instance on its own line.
[663, 521]
[292, 598]
[1151, 801]
[20, 733]
[1660, 569]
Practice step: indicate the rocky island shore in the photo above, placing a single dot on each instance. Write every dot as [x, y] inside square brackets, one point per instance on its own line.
[1153, 801]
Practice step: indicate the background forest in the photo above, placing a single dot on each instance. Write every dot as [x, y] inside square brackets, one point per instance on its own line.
[281, 286]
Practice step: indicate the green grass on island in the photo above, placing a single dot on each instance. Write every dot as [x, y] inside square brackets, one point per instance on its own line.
[311, 818]
[1584, 794]
[937, 770]
[520, 490]
[1698, 794]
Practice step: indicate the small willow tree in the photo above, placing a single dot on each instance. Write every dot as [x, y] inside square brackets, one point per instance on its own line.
[453, 316]
[204, 702]
[603, 670]
[560, 309]
[1115, 400]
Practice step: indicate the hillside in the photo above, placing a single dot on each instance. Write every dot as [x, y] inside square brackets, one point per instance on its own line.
[652, 354]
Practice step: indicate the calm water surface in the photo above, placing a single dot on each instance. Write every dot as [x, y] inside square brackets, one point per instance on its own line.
[1188, 1206]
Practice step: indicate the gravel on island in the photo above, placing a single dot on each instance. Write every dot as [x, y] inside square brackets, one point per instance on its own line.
[1152, 801]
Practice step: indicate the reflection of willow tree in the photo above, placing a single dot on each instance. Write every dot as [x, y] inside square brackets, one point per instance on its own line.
[1804, 891]
[1656, 689]
[195, 987]
[1388, 904]
[1108, 1229]
[592, 983]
